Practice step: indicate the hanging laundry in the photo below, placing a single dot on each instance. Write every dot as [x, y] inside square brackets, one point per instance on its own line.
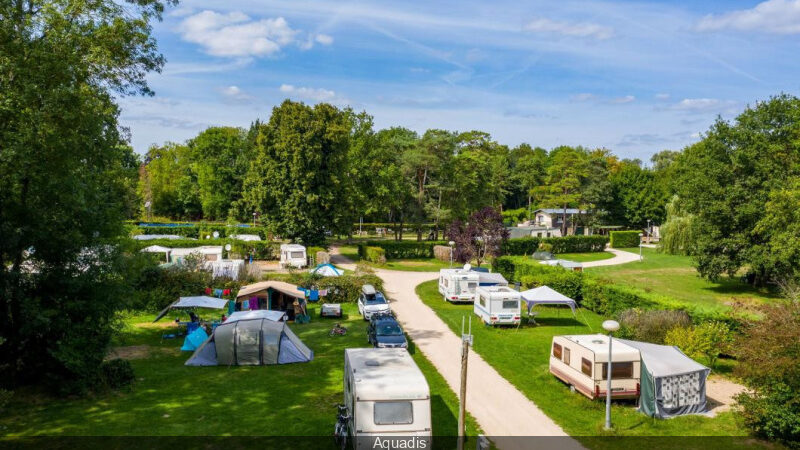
[226, 292]
[218, 293]
[313, 295]
[231, 307]
[323, 292]
[208, 291]
[245, 305]
[254, 304]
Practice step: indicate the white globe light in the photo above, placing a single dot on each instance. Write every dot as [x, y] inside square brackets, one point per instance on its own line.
[216, 234]
[467, 266]
[451, 243]
[611, 325]
[228, 247]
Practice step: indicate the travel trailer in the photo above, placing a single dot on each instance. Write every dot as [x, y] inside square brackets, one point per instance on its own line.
[582, 362]
[498, 305]
[293, 255]
[385, 394]
[205, 253]
[459, 285]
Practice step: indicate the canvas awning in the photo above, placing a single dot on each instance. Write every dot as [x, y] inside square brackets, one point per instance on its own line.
[200, 301]
[275, 316]
[156, 249]
[491, 279]
[280, 286]
[544, 295]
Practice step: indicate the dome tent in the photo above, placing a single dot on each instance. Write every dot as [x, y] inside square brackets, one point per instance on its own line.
[251, 343]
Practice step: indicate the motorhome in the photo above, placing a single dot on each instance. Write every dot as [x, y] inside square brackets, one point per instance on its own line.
[498, 305]
[293, 255]
[385, 395]
[459, 285]
[582, 362]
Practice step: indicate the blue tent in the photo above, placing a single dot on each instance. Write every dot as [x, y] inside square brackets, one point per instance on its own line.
[326, 270]
[194, 340]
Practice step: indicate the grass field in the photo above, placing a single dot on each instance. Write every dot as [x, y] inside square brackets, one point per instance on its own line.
[585, 257]
[521, 355]
[674, 276]
[169, 398]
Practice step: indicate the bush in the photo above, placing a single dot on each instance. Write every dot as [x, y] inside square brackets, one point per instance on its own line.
[375, 254]
[709, 340]
[625, 239]
[562, 280]
[566, 244]
[117, 373]
[343, 289]
[401, 249]
[153, 287]
[261, 250]
[772, 412]
[653, 325]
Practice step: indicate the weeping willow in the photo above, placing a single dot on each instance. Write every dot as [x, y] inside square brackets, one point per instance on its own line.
[677, 231]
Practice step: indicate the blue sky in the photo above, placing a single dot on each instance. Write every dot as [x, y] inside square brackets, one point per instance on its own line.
[633, 77]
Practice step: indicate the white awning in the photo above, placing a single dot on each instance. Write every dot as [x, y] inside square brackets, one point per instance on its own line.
[544, 295]
[156, 249]
[201, 301]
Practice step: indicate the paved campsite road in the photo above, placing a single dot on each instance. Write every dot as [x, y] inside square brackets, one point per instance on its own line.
[620, 257]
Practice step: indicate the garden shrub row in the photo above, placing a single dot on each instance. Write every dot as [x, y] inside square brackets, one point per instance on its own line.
[625, 239]
[343, 289]
[196, 230]
[401, 249]
[566, 244]
[375, 254]
[599, 295]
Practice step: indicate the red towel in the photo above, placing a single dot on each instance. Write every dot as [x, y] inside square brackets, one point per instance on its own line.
[208, 291]
[226, 292]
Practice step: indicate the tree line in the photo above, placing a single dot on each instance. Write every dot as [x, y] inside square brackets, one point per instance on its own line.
[315, 169]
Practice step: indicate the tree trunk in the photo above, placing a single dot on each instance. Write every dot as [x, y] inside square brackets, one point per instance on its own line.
[564, 221]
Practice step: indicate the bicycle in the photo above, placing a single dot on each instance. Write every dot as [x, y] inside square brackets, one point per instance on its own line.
[340, 430]
[338, 330]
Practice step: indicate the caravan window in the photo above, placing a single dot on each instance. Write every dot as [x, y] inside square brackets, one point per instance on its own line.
[586, 366]
[510, 304]
[618, 370]
[469, 286]
[566, 356]
[557, 350]
[294, 255]
[393, 413]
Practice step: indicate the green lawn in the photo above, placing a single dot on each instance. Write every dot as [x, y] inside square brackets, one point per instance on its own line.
[674, 276]
[521, 355]
[408, 265]
[585, 257]
[172, 399]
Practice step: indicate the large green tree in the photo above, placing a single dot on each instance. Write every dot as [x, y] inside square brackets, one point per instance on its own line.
[568, 167]
[298, 179]
[62, 198]
[219, 161]
[726, 180]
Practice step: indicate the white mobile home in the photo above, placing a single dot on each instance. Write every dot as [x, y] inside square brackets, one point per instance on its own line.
[582, 362]
[385, 394]
[498, 305]
[206, 253]
[459, 285]
[293, 255]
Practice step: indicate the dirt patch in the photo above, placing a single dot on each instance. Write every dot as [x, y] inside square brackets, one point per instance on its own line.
[129, 352]
[720, 394]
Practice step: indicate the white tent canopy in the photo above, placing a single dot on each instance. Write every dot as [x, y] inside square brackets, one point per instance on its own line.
[200, 301]
[544, 295]
[156, 249]
[246, 237]
[275, 316]
[149, 237]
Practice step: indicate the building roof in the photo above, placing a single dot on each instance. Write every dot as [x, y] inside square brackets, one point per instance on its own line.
[386, 373]
[561, 211]
[598, 344]
[280, 286]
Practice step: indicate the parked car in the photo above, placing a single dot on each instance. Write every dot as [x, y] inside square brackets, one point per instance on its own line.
[385, 332]
[371, 301]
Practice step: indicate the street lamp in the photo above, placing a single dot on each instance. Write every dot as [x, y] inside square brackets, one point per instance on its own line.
[610, 326]
[649, 232]
[452, 244]
[254, 219]
[640, 246]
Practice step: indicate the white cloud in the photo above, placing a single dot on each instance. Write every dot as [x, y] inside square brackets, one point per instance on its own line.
[771, 16]
[324, 39]
[235, 94]
[313, 94]
[662, 96]
[622, 100]
[697, 104]
[583, 97]
[236, 34]
[574, 29]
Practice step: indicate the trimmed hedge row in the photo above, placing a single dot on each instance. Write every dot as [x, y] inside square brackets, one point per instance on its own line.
[625, 239]
[375, 254]
[599, 295]
[566, 244]
[401, 249]
[197, 230]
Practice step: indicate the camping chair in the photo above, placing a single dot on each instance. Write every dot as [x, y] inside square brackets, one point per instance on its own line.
[532, 317]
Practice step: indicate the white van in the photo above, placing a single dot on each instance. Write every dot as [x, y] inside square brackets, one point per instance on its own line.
[385, 395]
[459, 285]
[582, 362]
[498, 305]
[293, 255]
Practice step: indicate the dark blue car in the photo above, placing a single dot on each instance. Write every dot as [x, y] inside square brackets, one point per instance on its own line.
[384, 332]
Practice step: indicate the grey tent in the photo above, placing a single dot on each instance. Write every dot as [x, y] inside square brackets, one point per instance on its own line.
[251, 343]
[200, 301]
[672, 384]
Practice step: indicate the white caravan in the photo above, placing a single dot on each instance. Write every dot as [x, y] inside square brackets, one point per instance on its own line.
[386, 396]
[293, 255]
[582, 362]
[498, 305]
[459, 285]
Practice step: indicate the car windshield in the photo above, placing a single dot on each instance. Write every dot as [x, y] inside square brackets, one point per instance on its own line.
[389, 329]
[375, 300]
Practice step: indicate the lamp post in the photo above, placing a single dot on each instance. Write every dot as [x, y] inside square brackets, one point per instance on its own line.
[649, 232]
[254, 219]
[452, 244]
[640, 246]
[610, 326]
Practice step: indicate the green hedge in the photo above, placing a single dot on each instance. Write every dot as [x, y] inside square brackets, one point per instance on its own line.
[566, 244]
[343, 289]
[179, 243]
[375, 254]
[599, 295]
[262, 250]
[401, 249]
[625, 239]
